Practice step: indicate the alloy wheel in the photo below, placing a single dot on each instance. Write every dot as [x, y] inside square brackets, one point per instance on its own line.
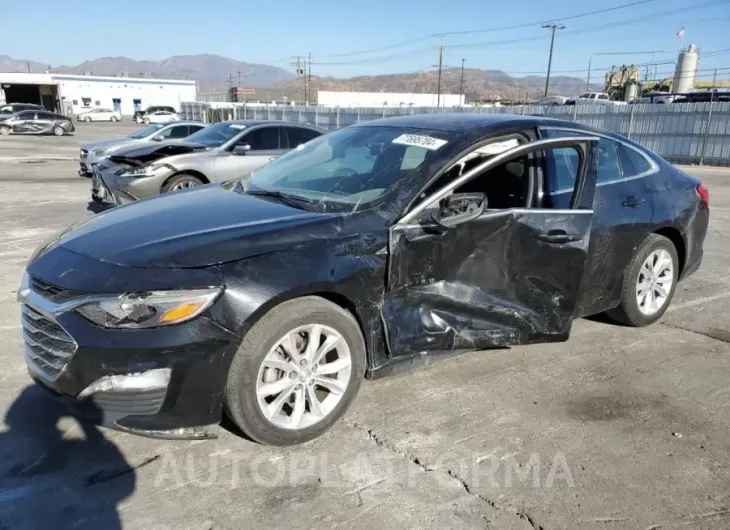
[303, 377]
[183, 185]
[4, 131]
[654, 284]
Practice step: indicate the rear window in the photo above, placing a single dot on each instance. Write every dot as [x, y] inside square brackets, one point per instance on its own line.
[632, 162]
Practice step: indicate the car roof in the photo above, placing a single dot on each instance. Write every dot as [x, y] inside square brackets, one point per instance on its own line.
[252, 123]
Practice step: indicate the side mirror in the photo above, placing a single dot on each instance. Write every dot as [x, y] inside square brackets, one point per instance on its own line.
[241, 149]
[460, 208]
[158, 138]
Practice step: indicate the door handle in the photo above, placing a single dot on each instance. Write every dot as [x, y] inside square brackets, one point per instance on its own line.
[633, 202]
[559, 237]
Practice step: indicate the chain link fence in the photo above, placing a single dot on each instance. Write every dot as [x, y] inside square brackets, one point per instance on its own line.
[682, 133]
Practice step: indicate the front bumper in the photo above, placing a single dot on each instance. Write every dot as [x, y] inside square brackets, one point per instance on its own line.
[164, 382]
[110, 189]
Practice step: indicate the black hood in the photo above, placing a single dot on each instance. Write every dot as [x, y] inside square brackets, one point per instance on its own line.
[197, 228]
[152, 151]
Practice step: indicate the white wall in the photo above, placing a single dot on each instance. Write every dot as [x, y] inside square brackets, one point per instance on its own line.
[101, 91]
[386, 99]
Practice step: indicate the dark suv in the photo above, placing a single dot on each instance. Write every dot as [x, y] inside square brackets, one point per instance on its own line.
[139, 115]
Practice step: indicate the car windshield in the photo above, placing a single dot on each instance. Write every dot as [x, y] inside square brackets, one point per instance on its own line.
[353, 168]
[144, 133]
[216, 135]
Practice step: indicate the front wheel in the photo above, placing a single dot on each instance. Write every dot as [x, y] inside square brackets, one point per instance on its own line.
[87, 119]
[114, 118]
[649, 282]
[181, 182]
[4, 130]
[296, 372]
[58, 131]
[146, 121]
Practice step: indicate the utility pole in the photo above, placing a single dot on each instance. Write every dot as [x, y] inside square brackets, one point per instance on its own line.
[461, 83]
[441, 62]
[230, 85]
[301, 72]
[551, 27]
[239, 78]
[28, 66]
[309, 77]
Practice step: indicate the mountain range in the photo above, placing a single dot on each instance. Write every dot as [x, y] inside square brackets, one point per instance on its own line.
[214, 72]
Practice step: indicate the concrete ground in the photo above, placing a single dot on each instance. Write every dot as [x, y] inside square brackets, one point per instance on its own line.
[617, 428]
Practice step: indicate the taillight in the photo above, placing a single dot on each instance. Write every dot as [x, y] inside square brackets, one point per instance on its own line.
[704, 194]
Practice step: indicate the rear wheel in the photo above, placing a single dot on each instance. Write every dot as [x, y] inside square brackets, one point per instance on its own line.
[4, 130]
[114, 118]
[58, 130]
[146, 121]
[296, 372]
[649, 282]
[181, 182]
[87, 119]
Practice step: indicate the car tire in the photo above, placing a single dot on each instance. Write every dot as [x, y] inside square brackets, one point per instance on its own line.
[87, 119]
[146, 121]
[181, 182]
[246, 391]
[58, 131]
[5, 130]
[650, 259]
[114, 118]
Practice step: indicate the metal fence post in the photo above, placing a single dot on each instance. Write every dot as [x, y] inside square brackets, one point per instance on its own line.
[299, 118]
[707, 131]
[316, 116]
[631, 122]
[383, 112]
[358, 115]
[283, 113]
[338, 118]
[268, 112]
[575, 112]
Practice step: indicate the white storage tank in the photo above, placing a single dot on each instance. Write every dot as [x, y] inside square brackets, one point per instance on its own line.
[632, 91]
[684, 75]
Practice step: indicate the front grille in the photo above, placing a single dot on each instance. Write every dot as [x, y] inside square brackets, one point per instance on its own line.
[47, 346]
[52, 292]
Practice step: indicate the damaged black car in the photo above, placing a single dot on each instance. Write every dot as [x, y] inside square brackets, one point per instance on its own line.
[369, 250]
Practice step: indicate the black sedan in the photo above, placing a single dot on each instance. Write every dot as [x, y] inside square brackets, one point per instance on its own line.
[369, 250]
[36, 122]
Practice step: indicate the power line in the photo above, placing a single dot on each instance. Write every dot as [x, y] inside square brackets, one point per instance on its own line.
[550, 21]
[497, 28]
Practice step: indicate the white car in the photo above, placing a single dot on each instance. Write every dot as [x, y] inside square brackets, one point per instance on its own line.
[160, 116]
[99, 115]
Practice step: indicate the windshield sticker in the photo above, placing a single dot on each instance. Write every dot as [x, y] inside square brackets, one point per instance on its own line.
[237, 126]
[498, 147]
[420, 141]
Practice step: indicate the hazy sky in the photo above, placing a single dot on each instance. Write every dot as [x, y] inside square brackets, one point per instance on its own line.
[333, 30]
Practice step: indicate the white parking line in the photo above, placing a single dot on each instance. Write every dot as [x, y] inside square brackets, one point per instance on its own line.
[699, 301]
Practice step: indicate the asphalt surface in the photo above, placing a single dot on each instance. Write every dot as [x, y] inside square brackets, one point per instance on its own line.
[617, 428]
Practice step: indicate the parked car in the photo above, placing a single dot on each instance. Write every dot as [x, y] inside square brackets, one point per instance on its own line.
[14, 108]
[594, 98]
[160, 116]
[139, 115]
[219, 152]
[91, 152]
[372, 249]
[36, 122]
[99, 115]
[553, 100]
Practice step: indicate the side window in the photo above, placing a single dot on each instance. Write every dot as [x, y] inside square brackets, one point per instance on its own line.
[507, 185]
[44, 116]
[262, 139]
[608, 164]
[195, 128]
[602, 96]
[165, 133]
[562, 165]
[179, 131]
[26, 116]
[298, 136]
[632, 163]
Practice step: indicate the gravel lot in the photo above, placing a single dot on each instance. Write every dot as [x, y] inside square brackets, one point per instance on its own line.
[617, 428]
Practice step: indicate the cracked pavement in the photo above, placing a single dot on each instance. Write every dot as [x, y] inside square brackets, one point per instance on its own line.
[617, 428]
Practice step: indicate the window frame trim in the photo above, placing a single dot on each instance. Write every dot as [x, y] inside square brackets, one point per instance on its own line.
[653, 169]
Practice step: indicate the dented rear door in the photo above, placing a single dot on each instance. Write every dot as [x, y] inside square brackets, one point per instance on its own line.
[508, 277]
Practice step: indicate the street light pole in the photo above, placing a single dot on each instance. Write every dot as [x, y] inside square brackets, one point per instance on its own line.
[588, 79]
[551, 27]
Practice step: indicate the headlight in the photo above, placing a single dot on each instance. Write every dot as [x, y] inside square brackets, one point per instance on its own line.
[149, 310]
[149, 171]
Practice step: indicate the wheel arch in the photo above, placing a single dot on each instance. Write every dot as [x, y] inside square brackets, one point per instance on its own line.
[190, 172]
[680, 245]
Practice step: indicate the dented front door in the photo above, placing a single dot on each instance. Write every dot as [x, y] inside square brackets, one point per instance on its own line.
[507, 277]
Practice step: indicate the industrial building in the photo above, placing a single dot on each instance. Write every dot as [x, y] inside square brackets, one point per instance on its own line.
[387, 99]
[72, 94]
